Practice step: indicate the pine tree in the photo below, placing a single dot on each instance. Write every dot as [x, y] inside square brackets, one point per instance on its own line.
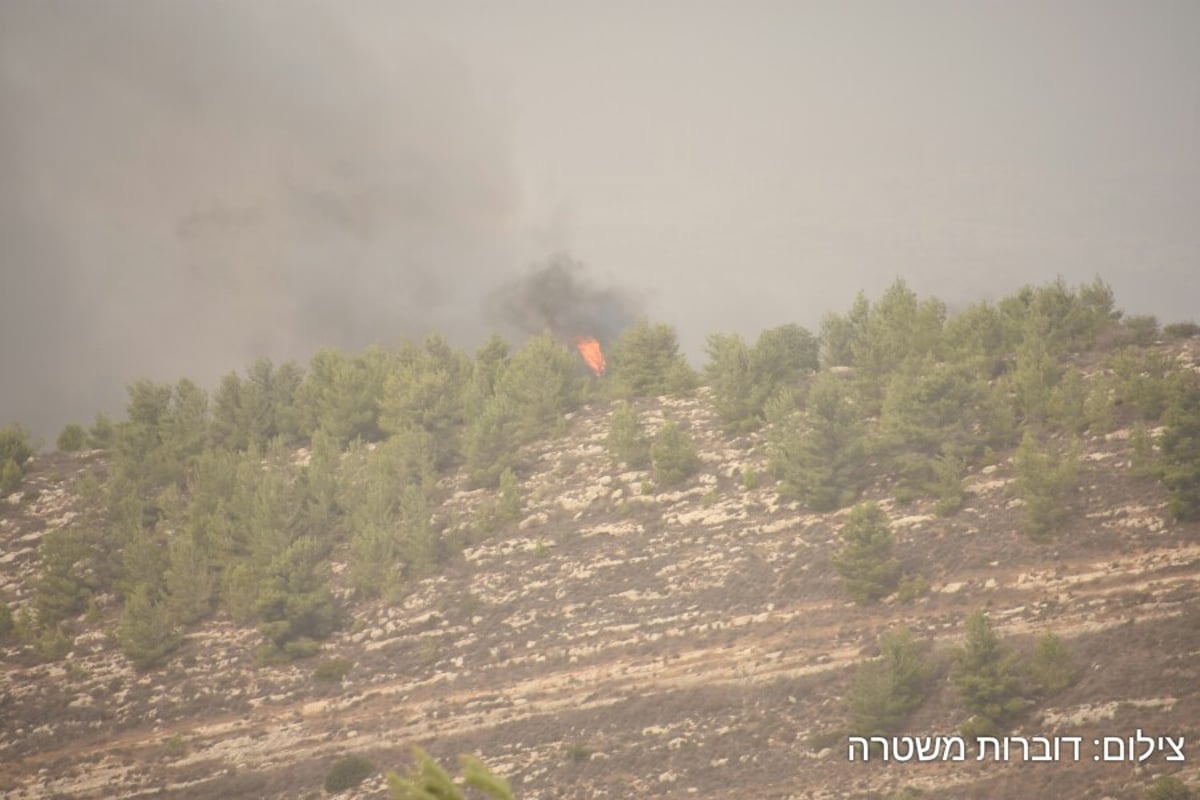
[294, 603]
[673, 456]
[987, 676]
[1180, 445]
[1046, 480]
[818, 453]
[427, 392]
[540, 384]
[886, 690]
[146, 632]
[489, 443]
[866, 562]
[626, 442]
[645, 362]
[189, 581]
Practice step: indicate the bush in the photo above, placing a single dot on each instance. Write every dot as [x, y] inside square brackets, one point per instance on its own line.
[15, 451]
[102, 433]
[426, 779]
[7, 625]
[332, 670]
[626, 442]
[1168, 787]
[1143, 328]
[865, 562]
[673, 456]
[1052, 667]
[72, 438]
[1182, 330]
[912, 587]
[347, 773]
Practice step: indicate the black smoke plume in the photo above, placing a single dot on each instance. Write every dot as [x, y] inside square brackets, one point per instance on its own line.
[561, 297]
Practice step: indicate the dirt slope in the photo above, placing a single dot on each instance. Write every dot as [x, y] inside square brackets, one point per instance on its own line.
[684, 644]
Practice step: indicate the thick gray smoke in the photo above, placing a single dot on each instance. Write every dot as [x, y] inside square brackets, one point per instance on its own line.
[560, 297]
[187, 186]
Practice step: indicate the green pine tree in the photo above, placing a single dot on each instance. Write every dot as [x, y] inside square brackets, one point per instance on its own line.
[866, 562]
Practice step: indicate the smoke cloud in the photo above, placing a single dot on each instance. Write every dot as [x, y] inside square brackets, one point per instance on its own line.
[561, 297]
[187, 186]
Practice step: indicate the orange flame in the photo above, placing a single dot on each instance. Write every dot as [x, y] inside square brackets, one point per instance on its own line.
[589, 348]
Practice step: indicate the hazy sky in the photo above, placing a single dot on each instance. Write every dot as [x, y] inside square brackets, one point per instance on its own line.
[185, 185]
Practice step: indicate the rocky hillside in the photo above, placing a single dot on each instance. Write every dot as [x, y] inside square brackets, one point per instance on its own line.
[625, 642]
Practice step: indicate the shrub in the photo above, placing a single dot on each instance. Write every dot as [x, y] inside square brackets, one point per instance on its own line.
[1051, 666]
[100, 436]
[7, 625]
[347, 773]
[1143, 328]
[1182, 330]
[626, 442]
[72, 438]
[673, 456]
[426, 779]
[332, 670]
[15, 451]
[865, 562]
[912, 587]
[1168, 787]
[750, 478]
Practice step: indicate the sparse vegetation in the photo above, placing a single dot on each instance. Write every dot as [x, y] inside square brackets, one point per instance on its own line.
[333, 670]
[673, 456]
[348, 772]
[1052, 667]
[426, 779]
[15, 450]
[1168, 787]
[73, 437]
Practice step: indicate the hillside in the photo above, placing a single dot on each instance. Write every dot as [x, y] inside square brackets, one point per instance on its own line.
[619, 638]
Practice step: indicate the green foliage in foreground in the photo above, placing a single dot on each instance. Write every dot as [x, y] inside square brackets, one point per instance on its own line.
[426, 780]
